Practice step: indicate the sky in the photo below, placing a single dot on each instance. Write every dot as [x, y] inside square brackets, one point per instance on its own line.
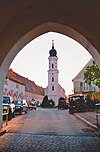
[32, 61]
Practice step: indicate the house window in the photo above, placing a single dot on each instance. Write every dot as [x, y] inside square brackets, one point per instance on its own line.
[6, 91]
[17, 85]
[6, 81]
[52, 88]
[81, 86]
[52, 79]
[90, 87]
[52, 66]
[84, 85]
[87, 86]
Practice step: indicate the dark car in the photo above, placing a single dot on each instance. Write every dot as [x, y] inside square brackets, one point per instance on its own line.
[76, 103]
[62, 104]
[21, 106]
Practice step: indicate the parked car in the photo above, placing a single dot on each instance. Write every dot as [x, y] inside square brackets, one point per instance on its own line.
[32, 105]
[20, 106]
[76, 103]
[62, 104]
[8, 105]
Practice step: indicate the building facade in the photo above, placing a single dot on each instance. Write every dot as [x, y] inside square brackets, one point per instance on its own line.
[54, 91]
[13, 87]
[20, 87]
[79, 85]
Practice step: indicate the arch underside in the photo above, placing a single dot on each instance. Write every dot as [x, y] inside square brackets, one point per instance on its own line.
[23, 21]
[42, 29]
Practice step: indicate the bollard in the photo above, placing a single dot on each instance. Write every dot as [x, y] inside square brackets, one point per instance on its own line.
[97, 111]
[5, 113]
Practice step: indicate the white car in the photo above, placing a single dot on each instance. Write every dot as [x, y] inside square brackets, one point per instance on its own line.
[8, 105]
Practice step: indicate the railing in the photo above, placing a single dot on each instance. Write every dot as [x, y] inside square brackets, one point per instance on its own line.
[84, 89]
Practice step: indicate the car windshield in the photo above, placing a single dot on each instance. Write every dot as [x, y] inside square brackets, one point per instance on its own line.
[32, 103]
[18, 102]
[77, 98]
[6, 100]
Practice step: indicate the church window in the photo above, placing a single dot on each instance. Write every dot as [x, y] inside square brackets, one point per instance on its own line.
[52, 79]
[52, 88]
[52, 66]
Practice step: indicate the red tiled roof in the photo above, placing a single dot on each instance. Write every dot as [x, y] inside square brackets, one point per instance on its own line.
[29, 85]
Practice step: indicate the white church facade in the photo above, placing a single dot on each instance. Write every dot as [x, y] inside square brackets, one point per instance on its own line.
[54, 91]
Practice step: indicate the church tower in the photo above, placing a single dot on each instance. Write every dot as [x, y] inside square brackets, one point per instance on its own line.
[54, 91]
[53, 87]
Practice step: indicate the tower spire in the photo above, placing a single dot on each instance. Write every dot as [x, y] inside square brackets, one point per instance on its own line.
[52, 44]
[53, 52]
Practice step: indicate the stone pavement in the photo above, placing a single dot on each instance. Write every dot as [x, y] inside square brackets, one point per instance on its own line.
[12, 142]
[30, 142]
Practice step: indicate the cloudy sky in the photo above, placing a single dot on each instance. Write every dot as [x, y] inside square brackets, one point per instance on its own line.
[32, 60]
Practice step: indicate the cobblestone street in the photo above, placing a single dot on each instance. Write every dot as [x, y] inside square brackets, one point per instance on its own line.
[13, 142]
[64, 133]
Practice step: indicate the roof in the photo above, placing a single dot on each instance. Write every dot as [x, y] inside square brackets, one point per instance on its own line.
[80, 75]
[30, 86]
[12, 76]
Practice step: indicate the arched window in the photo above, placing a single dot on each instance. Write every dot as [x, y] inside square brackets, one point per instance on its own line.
[52, 88]
[52, 66]
[52, 79]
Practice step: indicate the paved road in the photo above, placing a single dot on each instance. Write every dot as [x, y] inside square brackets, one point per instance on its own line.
[49, 130]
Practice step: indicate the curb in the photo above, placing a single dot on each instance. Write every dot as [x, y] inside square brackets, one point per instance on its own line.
[88, 123]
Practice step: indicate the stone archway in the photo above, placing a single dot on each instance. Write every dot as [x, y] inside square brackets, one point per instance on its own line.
[23, 21]
[44, 28]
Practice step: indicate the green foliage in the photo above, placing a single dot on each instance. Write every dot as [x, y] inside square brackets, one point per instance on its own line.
[47, 103]
[61, 98]
[44, 102]
[95, 97]
[50, 104]
[92, 74]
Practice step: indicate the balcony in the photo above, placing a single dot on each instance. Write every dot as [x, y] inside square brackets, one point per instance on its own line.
[84, 89]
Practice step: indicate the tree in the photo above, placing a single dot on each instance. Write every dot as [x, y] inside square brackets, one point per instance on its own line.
[44, 102]
[47, 103]
[92, 75]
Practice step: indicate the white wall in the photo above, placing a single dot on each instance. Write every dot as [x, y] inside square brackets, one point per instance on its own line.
[11, 89]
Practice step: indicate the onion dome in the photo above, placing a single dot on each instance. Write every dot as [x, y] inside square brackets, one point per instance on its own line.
[53, 52]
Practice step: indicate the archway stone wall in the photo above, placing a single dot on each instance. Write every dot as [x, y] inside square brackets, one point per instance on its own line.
[21, 22]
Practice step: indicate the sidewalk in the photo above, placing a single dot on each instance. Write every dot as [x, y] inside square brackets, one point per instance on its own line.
[90, 119]
[11, 123]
